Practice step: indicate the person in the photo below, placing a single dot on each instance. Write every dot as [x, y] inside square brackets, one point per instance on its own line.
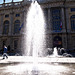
[5, 52]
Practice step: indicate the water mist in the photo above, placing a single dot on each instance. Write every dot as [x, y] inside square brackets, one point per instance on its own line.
[35, 31]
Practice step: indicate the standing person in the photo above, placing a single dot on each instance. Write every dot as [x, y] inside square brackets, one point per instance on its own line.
[5, 52]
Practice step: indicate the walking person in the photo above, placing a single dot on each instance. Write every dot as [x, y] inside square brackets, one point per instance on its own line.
[5, 52]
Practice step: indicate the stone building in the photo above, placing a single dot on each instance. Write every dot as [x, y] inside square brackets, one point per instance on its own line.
[60, 23]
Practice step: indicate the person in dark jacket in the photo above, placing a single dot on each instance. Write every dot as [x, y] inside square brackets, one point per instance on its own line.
[5, 52]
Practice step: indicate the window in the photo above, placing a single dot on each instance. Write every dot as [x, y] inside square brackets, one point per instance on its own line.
[72, 9]
[6, 27]
[16, 26]
[73, 22]
[6, 16]
[17, 15]
[56, 19]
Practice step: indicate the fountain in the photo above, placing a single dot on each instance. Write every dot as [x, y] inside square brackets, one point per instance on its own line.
[35, 31]
[35, 34]
[55, 53]
[35, 63]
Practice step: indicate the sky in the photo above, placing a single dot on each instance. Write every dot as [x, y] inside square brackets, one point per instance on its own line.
[7, 1]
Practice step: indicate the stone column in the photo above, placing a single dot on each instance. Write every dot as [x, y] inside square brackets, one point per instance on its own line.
[22, 31]
[63, 20]
[1, 24]
[65, 35]
[11, 24]
[1, 29]
[11, 30]
[22, 21]
[64, 42]
[68, 26]
[49, 31]
[49, 20]
[67, 19]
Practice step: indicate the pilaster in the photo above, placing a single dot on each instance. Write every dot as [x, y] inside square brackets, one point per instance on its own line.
[1, 24]
[49, 20]
[63, 20]
[11, 24]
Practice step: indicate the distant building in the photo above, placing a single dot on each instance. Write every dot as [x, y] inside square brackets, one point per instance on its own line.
[60, 23]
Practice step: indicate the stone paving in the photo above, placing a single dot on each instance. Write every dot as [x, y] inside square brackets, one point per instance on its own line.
[10, 66]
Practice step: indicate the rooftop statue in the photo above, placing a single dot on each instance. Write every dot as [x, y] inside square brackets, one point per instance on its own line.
[4, 1]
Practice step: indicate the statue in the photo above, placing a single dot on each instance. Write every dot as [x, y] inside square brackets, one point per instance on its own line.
[12, 0]
[4, 1]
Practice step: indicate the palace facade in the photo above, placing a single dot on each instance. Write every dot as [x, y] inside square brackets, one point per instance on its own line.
[60, 23]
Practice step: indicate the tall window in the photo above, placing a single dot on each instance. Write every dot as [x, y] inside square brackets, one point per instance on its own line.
[73, 22]
[56, 19]
[6, 27]
[16, 26]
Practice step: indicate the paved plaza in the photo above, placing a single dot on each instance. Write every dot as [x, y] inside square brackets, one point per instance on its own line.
[23, 65]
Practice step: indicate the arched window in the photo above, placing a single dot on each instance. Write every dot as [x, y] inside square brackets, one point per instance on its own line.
[73, 22]
[16, 26]
[6, 27]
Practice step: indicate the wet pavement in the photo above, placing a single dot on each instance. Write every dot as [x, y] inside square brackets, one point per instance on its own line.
[18, 65]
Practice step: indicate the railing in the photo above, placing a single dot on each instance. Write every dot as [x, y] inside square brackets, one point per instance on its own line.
[52, 0]
[46, 1]
[10, 4]
[20, 3]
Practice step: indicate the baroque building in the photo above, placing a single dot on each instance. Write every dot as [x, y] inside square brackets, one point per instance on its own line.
[60, 23]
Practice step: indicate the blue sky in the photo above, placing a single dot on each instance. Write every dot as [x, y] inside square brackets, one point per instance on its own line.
[7, 1]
